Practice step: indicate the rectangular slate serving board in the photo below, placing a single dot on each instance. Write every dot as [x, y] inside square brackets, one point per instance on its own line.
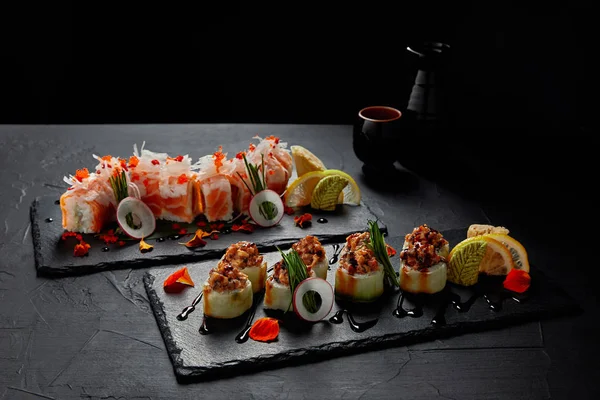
[54, 257]
[197, 357]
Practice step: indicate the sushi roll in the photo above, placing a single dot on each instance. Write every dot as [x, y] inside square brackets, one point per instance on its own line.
[227, 292]
[278, 294]
[215, 187]
[278, 162]
[165, 184]
[359, 277]
[88, 203]
[423, 267]
[246, 257]
[313, 254]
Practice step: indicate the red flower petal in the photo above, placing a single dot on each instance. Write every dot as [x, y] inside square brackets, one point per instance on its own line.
[517, 281]
[177, 281]
[264, 330]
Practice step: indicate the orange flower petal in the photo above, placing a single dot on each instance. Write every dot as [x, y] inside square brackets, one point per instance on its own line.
[145, 247]
[264, 330]
[197, 241]
[178, 280]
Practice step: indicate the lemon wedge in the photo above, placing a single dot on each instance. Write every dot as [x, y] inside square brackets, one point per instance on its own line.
[305, 161]
[327, 192]
[351, 193]
[475, 255]
[299, 193]
[517, 251]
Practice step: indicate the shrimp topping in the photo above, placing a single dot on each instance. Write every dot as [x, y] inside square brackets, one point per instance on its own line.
[357, 258]
[225, 277]
[242, 254]
[310, 250]
[280, 273]
[423, 246]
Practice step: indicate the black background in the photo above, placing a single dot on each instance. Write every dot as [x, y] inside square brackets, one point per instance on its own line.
[514, 64]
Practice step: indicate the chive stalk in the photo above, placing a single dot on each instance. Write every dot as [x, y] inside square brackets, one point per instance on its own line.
[378, 246]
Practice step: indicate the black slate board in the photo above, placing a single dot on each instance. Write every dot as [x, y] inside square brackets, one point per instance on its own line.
[54, 258]
[198, 357]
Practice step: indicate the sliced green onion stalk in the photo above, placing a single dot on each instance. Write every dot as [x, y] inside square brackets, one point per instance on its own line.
[297, 273]
[256, 174]
[378, 245]
[120, 190]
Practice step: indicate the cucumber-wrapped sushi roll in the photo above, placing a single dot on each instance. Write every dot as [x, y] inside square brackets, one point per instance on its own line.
[423, 267]
[278, 292]
[359, 277]
[245, 256]
[313, 254]
[227, 292]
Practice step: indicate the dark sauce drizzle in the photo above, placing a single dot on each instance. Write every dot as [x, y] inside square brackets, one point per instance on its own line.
[401, 312]
[243, 336]
[338, 318]
[174, 237]
[322, 220]
[57, 202]
[204, 327]
[49, 219]
[190, 309]
[336, 252]
[105, 249]
[160, 239]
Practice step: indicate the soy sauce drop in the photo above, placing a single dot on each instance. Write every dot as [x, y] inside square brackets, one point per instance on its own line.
[338, 318]
[57, 202]
[160, 239]
[174, 237]
[322, 220]
[105, 249]
[49, 219]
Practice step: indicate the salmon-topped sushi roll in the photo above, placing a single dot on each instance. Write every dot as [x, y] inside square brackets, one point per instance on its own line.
[227, 292]
[277, 159]
[236, 172]
[423, 267]
[359, 277]
[245, 256]
[313, 255]
[166, 184]
[88, 204]
[215, 187]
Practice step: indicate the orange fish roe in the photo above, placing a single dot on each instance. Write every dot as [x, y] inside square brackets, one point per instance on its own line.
[107, 158]
[155, 162]
[264, 329]
[252, 147]
[182, 179]
[240, 155]
[133, 161]
[273, 138]
[82, 174]
[219, 157]
[179, 158]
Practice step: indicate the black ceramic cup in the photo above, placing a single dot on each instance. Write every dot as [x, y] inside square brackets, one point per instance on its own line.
[375, 139]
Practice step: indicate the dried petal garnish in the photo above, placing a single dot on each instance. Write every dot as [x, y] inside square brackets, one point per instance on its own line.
[176, 227]
[178, 280]
[109, 237]
[121, 243]
[288, 210]
[201, 224]
[303, 220]
[244, 226]
[214, 236]
[390, 250]
[197, 241]
[517, 280]
[182, 231]
[81, 249]
[145, 247]
[264, 330]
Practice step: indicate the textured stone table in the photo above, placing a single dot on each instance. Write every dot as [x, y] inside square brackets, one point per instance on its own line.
[94, 337]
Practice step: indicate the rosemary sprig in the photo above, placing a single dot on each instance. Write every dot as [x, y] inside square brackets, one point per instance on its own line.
[120, 189]
[256, 174]
[377, 244]
[298, 272]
